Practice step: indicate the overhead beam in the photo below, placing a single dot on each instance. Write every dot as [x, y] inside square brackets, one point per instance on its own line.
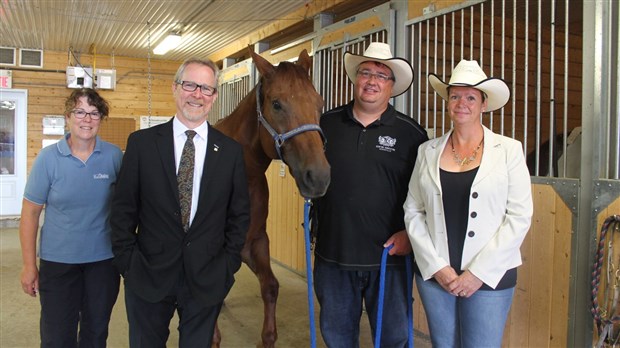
[304, 13]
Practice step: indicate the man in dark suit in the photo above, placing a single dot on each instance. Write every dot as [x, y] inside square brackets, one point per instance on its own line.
[174, 255]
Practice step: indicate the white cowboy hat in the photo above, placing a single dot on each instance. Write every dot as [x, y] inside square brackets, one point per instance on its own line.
[380, 52]
[469, 74]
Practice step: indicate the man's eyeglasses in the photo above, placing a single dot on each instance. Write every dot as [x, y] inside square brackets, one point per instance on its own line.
[367, 74]
[189, 86]
[80, 114]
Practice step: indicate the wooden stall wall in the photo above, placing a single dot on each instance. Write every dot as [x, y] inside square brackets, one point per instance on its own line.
[286, 215]
[539, 313]
[47, 91]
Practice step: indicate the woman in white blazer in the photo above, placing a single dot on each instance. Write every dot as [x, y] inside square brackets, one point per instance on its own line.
[468, 209]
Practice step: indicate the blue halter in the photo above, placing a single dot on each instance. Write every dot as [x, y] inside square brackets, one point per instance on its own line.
[279, 139]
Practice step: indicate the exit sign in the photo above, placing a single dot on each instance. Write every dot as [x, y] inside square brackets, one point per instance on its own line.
[6, 79]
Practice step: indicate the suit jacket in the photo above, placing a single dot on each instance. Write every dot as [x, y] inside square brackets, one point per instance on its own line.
[151, 250]
[500, 210]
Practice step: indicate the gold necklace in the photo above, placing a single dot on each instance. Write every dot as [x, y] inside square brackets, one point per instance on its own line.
[466, 160]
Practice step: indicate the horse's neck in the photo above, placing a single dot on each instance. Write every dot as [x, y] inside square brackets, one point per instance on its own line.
[242, 125]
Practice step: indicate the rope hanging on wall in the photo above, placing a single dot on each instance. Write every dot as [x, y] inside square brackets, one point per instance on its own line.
[606, 314]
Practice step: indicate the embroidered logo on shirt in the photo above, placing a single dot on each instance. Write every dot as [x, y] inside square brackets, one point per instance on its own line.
[386, 143]
[101, 176]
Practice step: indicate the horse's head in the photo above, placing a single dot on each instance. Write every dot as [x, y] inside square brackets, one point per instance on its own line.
[289, 108]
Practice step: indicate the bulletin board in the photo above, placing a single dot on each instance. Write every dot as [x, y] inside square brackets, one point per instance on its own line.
[116, 130]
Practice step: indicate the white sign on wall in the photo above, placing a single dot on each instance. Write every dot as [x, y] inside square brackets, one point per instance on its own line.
[150, 121]
[53, 125]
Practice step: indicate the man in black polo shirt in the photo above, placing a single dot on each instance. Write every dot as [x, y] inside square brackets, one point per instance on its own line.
[372, 149]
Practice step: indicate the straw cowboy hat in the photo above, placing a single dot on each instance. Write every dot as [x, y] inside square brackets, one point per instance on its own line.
[380, 52]
[469, 74]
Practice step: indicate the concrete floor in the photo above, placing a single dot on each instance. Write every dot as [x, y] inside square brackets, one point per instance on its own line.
[240, 320]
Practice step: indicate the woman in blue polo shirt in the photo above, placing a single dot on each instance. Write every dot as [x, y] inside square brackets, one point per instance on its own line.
[74, 180]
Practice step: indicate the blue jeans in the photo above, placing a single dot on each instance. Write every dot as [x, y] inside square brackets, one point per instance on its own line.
[477, 321]
[342, 295]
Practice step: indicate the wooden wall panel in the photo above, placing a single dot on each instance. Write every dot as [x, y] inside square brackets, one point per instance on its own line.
[284, 223]
[47, 92]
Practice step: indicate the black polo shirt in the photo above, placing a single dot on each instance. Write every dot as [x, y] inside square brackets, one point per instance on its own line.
[370, 172]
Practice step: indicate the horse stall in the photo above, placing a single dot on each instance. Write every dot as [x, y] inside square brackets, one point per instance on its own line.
[564, 109]
[542, 64]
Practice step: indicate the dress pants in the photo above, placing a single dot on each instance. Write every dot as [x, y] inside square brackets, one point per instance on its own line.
[149, 322]
[76, 294]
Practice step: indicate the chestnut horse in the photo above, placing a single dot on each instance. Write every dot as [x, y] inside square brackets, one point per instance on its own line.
[278, 119]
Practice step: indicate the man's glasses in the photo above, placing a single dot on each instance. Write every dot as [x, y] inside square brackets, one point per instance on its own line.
[189, 86]
[367, 74]
[80, 114]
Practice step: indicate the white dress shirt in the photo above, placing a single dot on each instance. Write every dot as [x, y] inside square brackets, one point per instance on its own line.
[200, 143]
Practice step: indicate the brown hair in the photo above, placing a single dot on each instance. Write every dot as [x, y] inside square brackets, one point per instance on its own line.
[93, 99]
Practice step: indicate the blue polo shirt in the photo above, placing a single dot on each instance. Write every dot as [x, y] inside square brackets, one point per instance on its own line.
[77, 197]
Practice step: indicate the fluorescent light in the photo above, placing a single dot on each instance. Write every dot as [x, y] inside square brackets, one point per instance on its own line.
[170, 42]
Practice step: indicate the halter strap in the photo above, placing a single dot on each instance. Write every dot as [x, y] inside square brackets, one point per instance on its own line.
[280, 138]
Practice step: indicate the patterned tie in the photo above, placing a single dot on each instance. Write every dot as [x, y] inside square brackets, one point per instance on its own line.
[185, 178]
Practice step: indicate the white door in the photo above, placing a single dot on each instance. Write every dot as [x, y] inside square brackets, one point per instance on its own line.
[13, 152]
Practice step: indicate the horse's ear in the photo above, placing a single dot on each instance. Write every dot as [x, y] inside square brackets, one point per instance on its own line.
[305, 60]
[262, 64]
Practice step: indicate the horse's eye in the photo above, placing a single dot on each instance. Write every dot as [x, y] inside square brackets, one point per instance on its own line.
[276, 105]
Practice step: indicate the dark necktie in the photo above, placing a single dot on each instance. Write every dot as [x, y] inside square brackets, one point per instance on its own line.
[185, 178]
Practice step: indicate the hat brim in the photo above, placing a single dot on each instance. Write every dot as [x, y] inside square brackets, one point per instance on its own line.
[402, 70]
[496, 90]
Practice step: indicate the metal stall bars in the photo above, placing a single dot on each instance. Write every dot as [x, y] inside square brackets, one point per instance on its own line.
[334, 84]
[353, 34]
[234, 84]
[546, 100]
[536, 47]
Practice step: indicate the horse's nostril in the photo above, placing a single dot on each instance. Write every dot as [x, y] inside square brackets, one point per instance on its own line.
[315, 180]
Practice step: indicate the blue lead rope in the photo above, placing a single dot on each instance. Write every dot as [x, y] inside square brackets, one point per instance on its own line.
[382, 295]
[409, 298]
[307, 204]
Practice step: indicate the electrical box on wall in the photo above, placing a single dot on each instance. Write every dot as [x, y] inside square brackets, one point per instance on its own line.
[53, 125]
[79, 77]
[105, 78]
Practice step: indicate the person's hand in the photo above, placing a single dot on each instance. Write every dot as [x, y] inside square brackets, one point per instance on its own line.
[30, 280]
[465, 285]
[445, 277]
[402, 245]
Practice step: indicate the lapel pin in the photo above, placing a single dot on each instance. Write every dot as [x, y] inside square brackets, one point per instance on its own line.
[215, 147]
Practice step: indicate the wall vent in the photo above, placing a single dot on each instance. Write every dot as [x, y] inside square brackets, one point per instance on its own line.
[30, 58]
[8, 56]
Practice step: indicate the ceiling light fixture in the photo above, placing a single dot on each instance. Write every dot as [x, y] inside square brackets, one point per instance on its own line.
[170, 42]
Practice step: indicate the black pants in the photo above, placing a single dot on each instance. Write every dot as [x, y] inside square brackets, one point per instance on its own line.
[73, 294]
[149, 322]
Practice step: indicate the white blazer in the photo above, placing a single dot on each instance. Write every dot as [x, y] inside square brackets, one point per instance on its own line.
[500, 210]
